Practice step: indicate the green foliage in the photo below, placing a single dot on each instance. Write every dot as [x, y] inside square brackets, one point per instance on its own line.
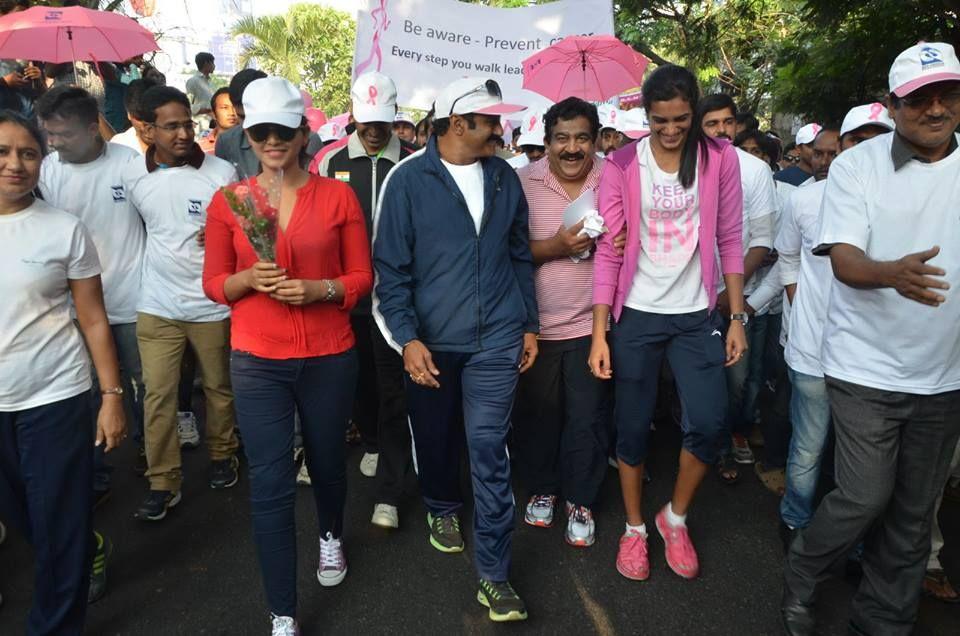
[312, 46]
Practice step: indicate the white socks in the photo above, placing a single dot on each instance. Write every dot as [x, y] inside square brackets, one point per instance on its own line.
[641, 529]
[673, 518]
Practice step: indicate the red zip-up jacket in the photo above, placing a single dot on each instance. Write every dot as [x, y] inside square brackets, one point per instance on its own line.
[326, 238]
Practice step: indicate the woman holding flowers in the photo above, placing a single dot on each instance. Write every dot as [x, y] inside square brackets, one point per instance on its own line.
[289, 253]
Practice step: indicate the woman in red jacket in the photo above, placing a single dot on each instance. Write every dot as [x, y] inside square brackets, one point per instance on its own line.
[290, 333]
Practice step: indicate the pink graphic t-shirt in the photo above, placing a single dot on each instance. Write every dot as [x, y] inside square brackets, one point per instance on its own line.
[668, 279]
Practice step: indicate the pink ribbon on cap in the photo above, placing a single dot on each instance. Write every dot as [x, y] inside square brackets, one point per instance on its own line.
[533, 123]
[372, 93]
[875, 109]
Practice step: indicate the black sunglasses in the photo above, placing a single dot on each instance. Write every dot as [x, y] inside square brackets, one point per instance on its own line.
[261, 132]
[490, 87]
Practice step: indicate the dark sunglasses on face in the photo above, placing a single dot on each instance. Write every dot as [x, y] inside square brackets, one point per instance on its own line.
[792, 159]
[261, 132]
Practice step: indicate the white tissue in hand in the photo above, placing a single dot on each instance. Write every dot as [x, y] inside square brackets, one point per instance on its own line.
[584, 209]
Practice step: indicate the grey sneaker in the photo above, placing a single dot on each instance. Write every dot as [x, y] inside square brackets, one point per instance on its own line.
[333, 562]
[445, 533]
[504, 603]
[284, 626]
[187, 429]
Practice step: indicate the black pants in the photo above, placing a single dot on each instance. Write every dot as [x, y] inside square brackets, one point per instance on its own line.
[893, 451]
[559, 422]
[393, 428]
[46, 491]
[775, 423]
[366, 404]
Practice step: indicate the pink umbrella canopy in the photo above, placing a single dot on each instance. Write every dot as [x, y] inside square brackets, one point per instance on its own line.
[593, 68]
[71, 34]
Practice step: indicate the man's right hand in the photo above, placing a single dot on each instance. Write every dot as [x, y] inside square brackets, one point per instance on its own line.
[418, 362]
[14, 80]
[569, 243]
[265, 276]
[911, 277]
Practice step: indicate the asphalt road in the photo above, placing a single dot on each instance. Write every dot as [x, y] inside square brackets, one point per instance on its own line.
[195, 572]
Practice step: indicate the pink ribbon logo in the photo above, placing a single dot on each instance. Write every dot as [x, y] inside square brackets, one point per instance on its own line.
[533, 123]
[372, 95]
[875, 109]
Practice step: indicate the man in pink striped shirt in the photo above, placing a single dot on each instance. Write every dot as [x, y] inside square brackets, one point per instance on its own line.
[561, 413]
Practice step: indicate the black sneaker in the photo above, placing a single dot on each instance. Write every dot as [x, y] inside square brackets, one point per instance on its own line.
[445, 533]
[98, 573]
[155, 506]
[223, 473]
[504, 603]
[140, 463]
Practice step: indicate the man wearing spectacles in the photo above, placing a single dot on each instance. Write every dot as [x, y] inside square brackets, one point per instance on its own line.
[455, 295]
[170, 188]
[890, 353]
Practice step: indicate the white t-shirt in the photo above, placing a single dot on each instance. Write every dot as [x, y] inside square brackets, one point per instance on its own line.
[42, 355]
[173, 204]
[876, 337]
[469, 179]
[94, 193]
[669, 279]
[812, 274]
[129, 139]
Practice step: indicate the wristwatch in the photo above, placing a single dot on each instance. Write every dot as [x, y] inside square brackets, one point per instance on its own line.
[117, 390]
[742, 317]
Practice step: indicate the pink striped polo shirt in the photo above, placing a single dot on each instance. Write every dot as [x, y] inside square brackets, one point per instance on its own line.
[564, 288]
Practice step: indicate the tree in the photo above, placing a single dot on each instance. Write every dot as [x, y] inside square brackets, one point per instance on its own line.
[312, 46]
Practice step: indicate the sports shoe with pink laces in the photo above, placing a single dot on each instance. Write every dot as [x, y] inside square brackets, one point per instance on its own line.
[681, 557]
[633, 561]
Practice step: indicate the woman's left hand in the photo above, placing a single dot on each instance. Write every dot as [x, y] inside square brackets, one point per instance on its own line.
[736, 343]
[111, 423]
[297, 292]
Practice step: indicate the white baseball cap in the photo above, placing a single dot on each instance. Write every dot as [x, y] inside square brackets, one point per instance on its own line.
[480, 95]
[922, 64]
[807, 134]
[635, 123]
[404, 117]
[330, 131]
[272, 100]
[532, 130]
[610, 117]
[374, 98]
[874, 114]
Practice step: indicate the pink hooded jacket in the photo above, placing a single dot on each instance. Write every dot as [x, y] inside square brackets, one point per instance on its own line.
[721, 221]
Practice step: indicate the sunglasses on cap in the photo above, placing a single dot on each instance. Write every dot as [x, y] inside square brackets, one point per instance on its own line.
[261, 132]
[490, 87]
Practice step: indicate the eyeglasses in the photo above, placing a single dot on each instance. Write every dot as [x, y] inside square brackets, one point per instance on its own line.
[949, 100]
[791, 159]
[490, 87]
[186, 126]
[261, 132]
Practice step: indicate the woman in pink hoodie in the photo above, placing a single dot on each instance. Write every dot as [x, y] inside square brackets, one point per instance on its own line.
[678, 195]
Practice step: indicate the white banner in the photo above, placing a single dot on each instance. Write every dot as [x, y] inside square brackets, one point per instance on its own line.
[423, 45]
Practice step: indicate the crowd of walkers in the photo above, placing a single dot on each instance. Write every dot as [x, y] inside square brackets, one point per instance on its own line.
[404, 279]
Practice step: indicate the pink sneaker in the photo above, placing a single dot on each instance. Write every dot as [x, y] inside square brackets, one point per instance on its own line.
[632, 559]
[681, 557]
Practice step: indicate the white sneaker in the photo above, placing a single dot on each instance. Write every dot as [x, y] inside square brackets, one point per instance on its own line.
[284, 626]
[581, 530]
[368, 464]
[187, 429]
[303, 475]
[539, 511]
[333, 562]
[385, 516]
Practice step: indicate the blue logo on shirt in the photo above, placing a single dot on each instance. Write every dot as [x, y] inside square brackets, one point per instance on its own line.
[930, 57]
[194, 207]
[118, 193]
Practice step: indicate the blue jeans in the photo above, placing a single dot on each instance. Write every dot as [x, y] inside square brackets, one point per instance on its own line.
[267, 394]
[810, 415]
[46, 474]
[131, 375]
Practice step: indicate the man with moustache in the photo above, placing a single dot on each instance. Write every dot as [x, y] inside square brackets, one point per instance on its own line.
[455, 295]
[559, 417]
[890, 353]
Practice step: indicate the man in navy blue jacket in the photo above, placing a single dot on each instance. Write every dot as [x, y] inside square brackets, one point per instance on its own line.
[455, 294]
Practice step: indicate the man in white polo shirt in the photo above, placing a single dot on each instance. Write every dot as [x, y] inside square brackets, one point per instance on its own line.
[84, 176]
[890, 352]
[806, 279]
[171, 189]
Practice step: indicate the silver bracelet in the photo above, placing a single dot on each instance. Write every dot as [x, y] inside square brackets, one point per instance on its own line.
[331, 291]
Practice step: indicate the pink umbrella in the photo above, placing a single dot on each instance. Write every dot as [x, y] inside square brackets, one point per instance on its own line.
[71, 34]
[593, 68]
